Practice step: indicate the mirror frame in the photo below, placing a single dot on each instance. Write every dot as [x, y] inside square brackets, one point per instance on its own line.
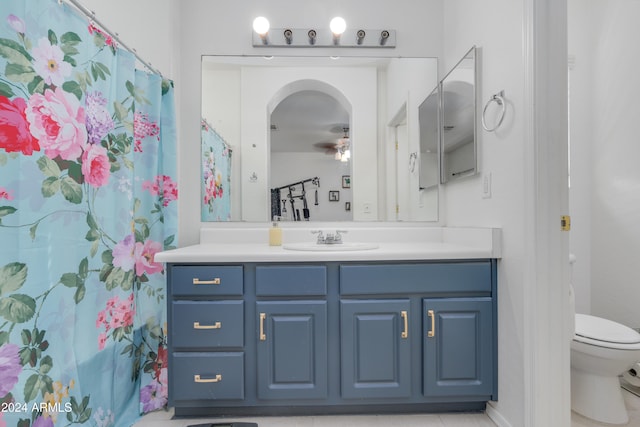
[473, 170]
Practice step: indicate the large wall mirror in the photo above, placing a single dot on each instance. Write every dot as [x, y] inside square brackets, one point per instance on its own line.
[458, 141]
[315, 139]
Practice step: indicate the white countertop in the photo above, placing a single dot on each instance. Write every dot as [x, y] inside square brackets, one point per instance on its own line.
[394, 244]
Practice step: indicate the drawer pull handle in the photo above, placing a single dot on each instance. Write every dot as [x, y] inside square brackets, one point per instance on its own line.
[215, 281]
[217, 325]
[405, 332]
[217, 379]
[432, 332]
[263, 336]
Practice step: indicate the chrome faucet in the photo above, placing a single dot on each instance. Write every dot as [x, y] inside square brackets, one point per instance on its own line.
[330, 238]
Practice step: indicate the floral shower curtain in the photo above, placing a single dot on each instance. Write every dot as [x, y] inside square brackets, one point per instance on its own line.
[216, 175]
[87, 197]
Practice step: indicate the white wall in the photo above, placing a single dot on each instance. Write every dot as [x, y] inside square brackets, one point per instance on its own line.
[501, 67]
[610, 157]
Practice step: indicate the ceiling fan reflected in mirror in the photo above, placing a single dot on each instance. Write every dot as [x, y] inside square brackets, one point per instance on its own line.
[340, 149]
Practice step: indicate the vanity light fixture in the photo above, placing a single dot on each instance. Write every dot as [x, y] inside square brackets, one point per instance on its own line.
[384, 36]
[337, 35]
[338, 26]
[288, 36]
[261, 28]
[312, 34]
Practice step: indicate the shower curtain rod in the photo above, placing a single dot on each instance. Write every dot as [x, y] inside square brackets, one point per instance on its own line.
[92, 16]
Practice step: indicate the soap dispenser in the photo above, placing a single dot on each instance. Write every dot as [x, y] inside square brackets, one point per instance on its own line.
[275, 234]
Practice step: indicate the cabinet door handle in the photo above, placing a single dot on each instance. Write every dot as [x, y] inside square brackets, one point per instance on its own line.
[217, 379]
[215, 281]
[263, 336]
[217, 325]
[405, 332]
[432, 332]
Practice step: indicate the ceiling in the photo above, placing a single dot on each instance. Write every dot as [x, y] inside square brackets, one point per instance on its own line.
[306, 121]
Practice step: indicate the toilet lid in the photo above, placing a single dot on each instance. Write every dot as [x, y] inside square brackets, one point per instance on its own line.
[597, 328]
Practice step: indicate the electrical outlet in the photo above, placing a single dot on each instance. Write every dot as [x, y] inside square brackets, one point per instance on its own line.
[366, 208]
[486, 185]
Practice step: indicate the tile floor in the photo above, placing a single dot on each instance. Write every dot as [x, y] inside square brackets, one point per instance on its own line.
[163, 419]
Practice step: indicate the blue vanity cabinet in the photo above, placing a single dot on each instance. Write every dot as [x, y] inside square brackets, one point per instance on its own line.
[296, 338]
[291, 311]
[375, 348]
[458, 347]
[292, 350]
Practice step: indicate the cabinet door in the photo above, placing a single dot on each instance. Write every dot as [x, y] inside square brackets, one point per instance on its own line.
[375, 348]
[292, 349]
[458, 347]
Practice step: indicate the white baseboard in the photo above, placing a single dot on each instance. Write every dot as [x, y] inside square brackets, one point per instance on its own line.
[496, 416]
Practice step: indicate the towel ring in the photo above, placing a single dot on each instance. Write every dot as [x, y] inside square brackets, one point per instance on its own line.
[499, 99]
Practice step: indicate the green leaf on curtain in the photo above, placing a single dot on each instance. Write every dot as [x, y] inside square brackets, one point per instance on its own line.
[19, 73]
[70, 38]
[37, 384]
[166, 85]
[14, 53]
[3, 159]
[103, 69]
[17, 308]
[6, 210]
[53, 39]
[80, 292]
[5, 90]
[46, 364]
[120, 111]
[48, 166]
[33, 229]
[4, 337]
[50, 186]
[12, 277]
[71, 190]
[73, 87]
[71, 280]
[70, 60]
[36, 85]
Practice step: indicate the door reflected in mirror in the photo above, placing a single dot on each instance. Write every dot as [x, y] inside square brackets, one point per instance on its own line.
[297, 125]
[458, 139]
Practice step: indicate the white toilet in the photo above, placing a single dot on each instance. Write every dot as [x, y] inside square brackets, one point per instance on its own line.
[601, 350]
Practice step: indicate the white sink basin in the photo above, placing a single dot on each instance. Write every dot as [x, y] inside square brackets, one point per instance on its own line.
[345, 246]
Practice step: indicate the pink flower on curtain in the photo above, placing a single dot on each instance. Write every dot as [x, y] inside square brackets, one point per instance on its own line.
[143, 128]
[117, 316]
[123, 253]
[49, 63]
[108, 40]
[16, 24]
[10, 367]
[95, 165]
[4, 194]
[164, 187]
[144, 254]
[57, 120]
[14, 128]
[2, 423]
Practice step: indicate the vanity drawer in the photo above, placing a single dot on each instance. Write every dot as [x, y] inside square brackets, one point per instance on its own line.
[207, 376]
[443, 278]
[294, 280]
[207, 324]
[206, 280]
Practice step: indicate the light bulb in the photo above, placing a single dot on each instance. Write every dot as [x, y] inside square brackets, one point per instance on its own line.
[338, 25]
[261, 25]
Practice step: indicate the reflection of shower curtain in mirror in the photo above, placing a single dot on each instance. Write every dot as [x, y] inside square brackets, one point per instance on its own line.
[88, 195]
[216, 175]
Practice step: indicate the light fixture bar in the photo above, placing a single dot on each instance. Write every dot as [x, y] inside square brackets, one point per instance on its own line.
[298, 37]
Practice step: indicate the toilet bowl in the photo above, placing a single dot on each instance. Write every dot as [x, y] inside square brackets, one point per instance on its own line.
[601, 350]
